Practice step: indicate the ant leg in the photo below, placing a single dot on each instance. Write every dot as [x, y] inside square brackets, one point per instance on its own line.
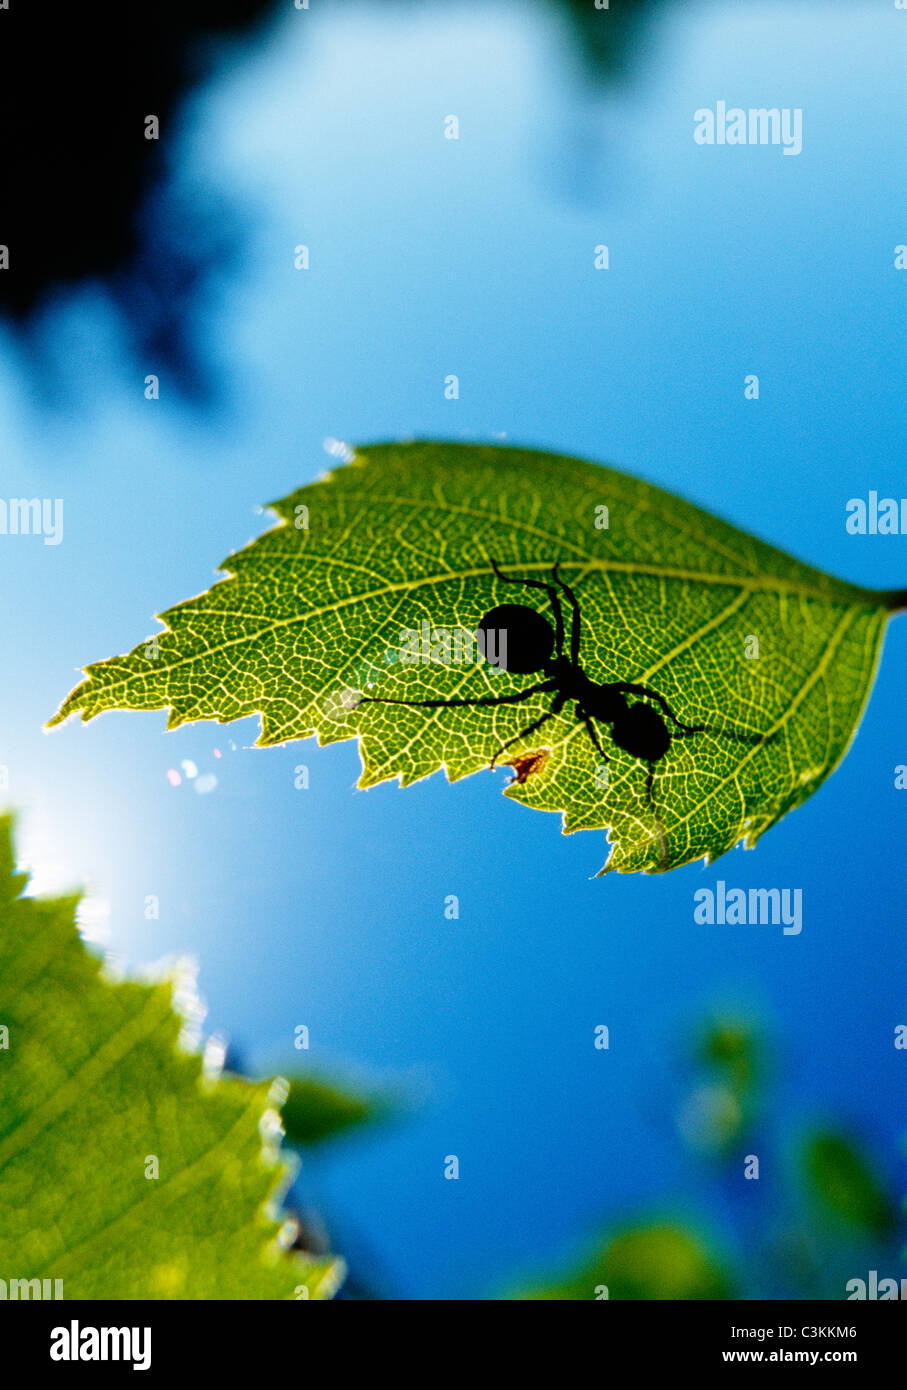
[530, 729]
[553, 597]
[543, 687]
[661, 842]
[577, 618]
[627, 688]
[736, 734]
[591, 731]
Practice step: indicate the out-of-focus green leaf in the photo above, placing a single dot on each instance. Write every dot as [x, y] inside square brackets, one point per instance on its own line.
[95, 1097]
[712, 1118]
[657, 1261]
[841, 1179]
[731, 1049]
[720, 1107]
[315, 1110]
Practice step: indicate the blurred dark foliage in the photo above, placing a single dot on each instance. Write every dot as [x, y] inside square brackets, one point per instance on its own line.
[80, 183]
[316, 1110]
[76, 84]
[606, 36]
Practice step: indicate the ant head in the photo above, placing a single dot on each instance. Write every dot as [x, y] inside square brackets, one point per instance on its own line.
[642, 732]
[515, 638]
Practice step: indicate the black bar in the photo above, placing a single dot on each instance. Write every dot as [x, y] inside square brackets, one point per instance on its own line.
[283, 1338]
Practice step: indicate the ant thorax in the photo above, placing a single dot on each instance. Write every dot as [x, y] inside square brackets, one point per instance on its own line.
[602, 702]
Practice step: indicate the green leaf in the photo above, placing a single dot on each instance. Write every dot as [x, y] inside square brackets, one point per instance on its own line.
[650, 1261]
[316, 1110]
[92, 1087]
[730, 1047]
[316, 609]
[842, 1181]
[720, 1105]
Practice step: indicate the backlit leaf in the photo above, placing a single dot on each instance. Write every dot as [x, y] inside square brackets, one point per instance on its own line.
[315, 612]
[93, 1087]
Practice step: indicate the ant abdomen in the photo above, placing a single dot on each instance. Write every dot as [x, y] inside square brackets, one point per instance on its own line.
[642, 732]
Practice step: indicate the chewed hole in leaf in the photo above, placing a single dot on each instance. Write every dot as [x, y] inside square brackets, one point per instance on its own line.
[528, 765]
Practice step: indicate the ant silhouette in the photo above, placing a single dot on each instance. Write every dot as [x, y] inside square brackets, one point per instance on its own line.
[639, 729]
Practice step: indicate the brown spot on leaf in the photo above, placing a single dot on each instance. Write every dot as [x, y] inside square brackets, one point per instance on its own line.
[528, 765]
